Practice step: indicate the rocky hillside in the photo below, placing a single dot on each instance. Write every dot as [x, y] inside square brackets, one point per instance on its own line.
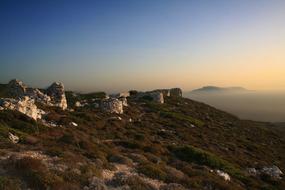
[157, 140]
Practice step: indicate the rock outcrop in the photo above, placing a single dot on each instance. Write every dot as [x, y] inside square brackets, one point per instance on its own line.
[39, 96]
[124, 101]
[13, 138]
[157, 97]
[25, 105]
[57, 94]
[112, 105]
[16, 88]
[165, 92]
[175, 92]
[153, 96]
[273, 172]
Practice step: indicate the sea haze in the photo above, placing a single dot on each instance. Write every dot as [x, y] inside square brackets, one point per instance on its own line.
[251, 105]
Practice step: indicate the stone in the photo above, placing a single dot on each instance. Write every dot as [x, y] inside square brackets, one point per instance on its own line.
[38, 96]
[112, 105]
[175, 92]
[73, 124]
[78, 104]
[223, 175]
[57, 94]
[124, 101]
[16, 88]
[116, 118]
[25, 105]
[14, 139]
[273, 172]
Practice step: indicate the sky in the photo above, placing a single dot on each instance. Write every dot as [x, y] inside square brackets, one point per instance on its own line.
[117, 45]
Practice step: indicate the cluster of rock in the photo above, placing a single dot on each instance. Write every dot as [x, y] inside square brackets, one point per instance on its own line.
[274, 172]
[116, 103]
[159, 95]
[112, 105]
[25, 105]
[55, 95]
[24, 98]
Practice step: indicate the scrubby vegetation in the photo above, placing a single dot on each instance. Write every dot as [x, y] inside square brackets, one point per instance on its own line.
[180, 142]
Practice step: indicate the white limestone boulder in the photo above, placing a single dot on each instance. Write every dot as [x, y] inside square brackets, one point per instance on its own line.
[112, 105]
[57, 94]
[25, 105]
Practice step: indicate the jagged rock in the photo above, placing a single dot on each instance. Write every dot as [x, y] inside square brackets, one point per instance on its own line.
[112, 105]
[25, 105]
[16, 88]
[124, 101]
[14, 138]
[57, 94]
[223, 175]
[38, 96]
[176, 92]
[273, 172]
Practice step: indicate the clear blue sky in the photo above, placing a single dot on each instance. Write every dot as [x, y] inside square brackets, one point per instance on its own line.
[125, 44]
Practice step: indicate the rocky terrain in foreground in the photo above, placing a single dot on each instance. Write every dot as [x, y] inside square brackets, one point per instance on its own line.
[156, 140]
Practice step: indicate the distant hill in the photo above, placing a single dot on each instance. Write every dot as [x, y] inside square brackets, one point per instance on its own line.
[215, 89]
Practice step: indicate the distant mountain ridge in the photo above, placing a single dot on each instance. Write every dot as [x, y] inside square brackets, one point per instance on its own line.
[216, 89]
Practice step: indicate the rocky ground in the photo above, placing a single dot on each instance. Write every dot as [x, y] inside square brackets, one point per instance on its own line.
[52, 139]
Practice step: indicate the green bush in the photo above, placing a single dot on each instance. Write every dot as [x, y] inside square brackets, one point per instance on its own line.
[201, 157]
[152, 171]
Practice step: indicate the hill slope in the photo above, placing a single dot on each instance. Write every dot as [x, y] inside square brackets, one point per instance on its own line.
[150, 146]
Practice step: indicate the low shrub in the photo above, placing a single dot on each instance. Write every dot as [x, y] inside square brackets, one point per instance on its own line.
[35, 173]
[201, 157]
[153, 171]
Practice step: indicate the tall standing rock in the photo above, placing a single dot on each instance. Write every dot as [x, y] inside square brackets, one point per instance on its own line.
[57, 94]
[16, 88]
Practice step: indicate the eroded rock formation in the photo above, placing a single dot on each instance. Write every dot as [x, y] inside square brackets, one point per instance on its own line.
[112, 105]
[25, 105]
[57, 95]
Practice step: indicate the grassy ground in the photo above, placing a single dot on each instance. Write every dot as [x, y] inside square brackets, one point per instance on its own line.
[177, 142]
